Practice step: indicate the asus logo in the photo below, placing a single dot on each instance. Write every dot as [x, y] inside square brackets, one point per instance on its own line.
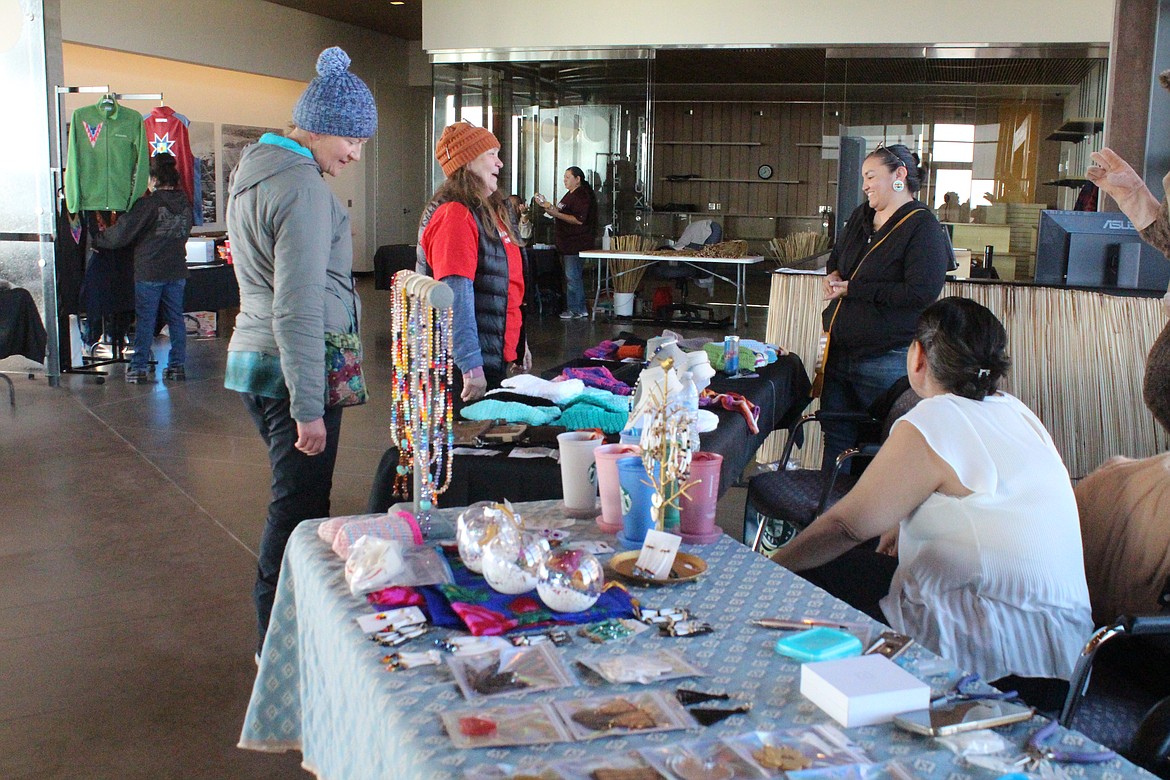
[1118, 224]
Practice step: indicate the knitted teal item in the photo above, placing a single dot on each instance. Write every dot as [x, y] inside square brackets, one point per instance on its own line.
[336, 102]
[714, 350]
[510, 411]
[602, 399]
[585, 415]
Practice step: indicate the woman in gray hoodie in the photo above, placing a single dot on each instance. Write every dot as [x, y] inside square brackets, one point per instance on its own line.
[294, 261]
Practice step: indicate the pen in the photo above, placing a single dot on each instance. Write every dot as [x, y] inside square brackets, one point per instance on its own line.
[795, 625]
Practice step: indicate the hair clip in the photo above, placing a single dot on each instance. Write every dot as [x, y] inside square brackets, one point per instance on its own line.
[983, 372]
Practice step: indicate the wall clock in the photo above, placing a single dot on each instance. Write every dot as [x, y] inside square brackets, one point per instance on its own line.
[765, 171]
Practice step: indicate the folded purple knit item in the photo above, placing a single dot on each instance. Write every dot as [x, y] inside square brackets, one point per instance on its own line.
[598, 376]
[603, 351]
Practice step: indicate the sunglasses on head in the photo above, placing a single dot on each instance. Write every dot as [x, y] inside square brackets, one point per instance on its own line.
[894, 158]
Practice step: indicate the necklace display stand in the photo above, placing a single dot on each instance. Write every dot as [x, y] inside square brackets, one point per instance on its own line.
[422, 411]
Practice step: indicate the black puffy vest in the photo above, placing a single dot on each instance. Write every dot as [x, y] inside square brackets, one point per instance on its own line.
[491, 290]
[491, 298]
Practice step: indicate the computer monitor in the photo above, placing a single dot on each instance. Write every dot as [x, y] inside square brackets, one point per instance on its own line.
[1096, 249]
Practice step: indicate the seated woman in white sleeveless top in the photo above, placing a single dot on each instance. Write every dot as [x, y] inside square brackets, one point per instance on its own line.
[977, 502]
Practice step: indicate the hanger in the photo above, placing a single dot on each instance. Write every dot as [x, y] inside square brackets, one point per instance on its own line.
[107, 101]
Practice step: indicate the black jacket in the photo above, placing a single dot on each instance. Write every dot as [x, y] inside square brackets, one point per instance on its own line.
[157, 225]
[902, 275]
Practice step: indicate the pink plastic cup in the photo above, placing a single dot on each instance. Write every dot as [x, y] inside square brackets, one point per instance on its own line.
[610, 520]
[697, 513]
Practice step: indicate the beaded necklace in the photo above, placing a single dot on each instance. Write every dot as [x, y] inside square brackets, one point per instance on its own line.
[421, 411]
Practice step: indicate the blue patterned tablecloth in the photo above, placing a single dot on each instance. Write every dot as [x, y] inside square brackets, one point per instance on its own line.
[321, 687]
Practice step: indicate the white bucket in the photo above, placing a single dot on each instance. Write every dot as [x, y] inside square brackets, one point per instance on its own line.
[623, 304]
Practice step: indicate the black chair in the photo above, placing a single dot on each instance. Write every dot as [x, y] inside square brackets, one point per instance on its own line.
[782, 503]
[21, 331]
[682, 273]
[1119, 694]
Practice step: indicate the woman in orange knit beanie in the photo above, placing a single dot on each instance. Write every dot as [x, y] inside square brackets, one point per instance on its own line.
[467, 239]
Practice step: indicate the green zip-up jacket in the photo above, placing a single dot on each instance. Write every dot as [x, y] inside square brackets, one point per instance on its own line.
[108, 163]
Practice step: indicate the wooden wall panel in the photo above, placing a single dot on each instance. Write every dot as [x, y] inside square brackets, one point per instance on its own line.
[786, 136]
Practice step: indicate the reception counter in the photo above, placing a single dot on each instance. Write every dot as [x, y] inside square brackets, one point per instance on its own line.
[1078, 357]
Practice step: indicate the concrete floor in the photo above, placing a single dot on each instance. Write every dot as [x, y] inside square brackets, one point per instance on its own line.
[129, 523]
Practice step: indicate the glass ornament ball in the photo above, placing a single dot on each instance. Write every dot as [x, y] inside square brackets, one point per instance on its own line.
[477, 525]
[570, 581]
[511, 561]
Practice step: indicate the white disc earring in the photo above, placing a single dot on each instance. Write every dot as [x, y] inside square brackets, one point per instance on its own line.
[898, 185]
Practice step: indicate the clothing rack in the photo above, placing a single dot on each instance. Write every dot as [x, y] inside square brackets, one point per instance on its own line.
[59, 322]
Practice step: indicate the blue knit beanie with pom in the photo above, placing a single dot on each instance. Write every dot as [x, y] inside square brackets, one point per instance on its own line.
[336, 102]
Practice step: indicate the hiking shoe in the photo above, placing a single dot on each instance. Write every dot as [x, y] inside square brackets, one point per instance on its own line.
[175, 373]
[136, 377]
[566, 315]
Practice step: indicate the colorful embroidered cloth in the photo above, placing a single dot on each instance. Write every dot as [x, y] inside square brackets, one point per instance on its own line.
[733, 402]
[471, 605]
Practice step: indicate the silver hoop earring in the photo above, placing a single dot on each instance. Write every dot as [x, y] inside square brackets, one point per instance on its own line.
[898, 185]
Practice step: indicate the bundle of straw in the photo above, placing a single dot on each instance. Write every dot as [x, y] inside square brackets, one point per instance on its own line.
[734, 248]
[627, 274]
[798, 249]
[631, 243]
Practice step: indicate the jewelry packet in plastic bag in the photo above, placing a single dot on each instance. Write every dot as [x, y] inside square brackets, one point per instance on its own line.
[638, 712]
[531, 723]
[643, 668]
[423, 565]
[511, 670]
[783, 753]
[701, 760]
[620, 766]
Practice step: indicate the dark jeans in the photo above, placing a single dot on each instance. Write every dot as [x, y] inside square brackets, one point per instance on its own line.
[861, 578]
[574, 284]
[300, 489]
[147, 298]
[852, 385]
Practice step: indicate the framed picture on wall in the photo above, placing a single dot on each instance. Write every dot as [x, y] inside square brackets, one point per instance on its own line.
[234, 138]
[202, 135]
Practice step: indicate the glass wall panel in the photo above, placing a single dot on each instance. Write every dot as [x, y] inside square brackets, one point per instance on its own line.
[548, 116]
[1005, 136]
[751, 137]
[26, 216]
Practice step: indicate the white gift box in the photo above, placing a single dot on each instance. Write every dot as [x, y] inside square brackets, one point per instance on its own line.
[863, 690]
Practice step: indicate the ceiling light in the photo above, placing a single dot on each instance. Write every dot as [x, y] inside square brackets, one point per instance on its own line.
[397, 2]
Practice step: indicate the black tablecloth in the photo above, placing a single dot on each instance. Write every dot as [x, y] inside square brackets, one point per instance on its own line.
[21, 329]
[781, 392]
[211, 288]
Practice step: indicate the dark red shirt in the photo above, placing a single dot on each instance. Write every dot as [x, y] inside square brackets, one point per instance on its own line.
[572, 239]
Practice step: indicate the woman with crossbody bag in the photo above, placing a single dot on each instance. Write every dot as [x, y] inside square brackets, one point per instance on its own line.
[294, 353]
[888, 265]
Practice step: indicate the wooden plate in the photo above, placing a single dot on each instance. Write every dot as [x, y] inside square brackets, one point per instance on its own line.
[686, 568]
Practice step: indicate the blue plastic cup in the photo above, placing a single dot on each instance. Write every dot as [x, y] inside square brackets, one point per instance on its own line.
[631, 436]
[637, 513]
